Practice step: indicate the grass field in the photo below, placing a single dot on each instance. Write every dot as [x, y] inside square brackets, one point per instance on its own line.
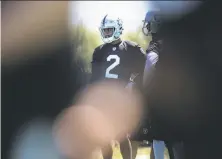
[143, 153]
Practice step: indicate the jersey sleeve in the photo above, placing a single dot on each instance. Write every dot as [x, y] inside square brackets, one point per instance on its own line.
[151, 60]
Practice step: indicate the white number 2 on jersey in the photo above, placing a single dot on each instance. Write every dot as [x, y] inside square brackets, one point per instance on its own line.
[117, 62]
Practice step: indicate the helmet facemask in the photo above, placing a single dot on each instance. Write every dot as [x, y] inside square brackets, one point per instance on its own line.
[146, 28]
[107, 32]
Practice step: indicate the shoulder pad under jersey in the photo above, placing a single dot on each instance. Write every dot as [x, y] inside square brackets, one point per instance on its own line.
[131, 43]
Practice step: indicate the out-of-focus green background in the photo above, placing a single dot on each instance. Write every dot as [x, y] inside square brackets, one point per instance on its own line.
[142, 153]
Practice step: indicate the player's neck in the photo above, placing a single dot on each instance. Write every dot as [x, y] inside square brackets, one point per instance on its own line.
[116, 42]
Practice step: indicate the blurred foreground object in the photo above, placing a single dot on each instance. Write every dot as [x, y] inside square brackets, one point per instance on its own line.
[187, 96]
[32, 28]
[175, 9]
[38, 77]
[34, 141]
[104, 112]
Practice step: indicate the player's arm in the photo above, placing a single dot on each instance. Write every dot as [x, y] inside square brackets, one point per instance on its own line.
[151, 60]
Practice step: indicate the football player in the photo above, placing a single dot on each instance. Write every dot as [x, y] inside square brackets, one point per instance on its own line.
[118, 59]
[151, 25]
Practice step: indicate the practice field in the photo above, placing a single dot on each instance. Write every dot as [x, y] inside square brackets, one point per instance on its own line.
[143, 153]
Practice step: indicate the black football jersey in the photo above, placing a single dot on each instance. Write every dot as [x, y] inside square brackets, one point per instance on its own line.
[122, 61]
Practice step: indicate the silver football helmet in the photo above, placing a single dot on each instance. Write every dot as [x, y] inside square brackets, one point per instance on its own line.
[111, 29]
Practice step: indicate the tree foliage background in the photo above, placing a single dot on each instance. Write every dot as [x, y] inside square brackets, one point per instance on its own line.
[86, 41]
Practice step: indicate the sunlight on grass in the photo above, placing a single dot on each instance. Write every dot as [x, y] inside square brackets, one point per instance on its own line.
[143, 153]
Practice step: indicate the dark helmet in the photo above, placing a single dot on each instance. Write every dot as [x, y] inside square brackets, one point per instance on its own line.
[151, 23]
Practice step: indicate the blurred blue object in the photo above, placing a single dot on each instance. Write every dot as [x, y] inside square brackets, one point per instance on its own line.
[34, 141]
